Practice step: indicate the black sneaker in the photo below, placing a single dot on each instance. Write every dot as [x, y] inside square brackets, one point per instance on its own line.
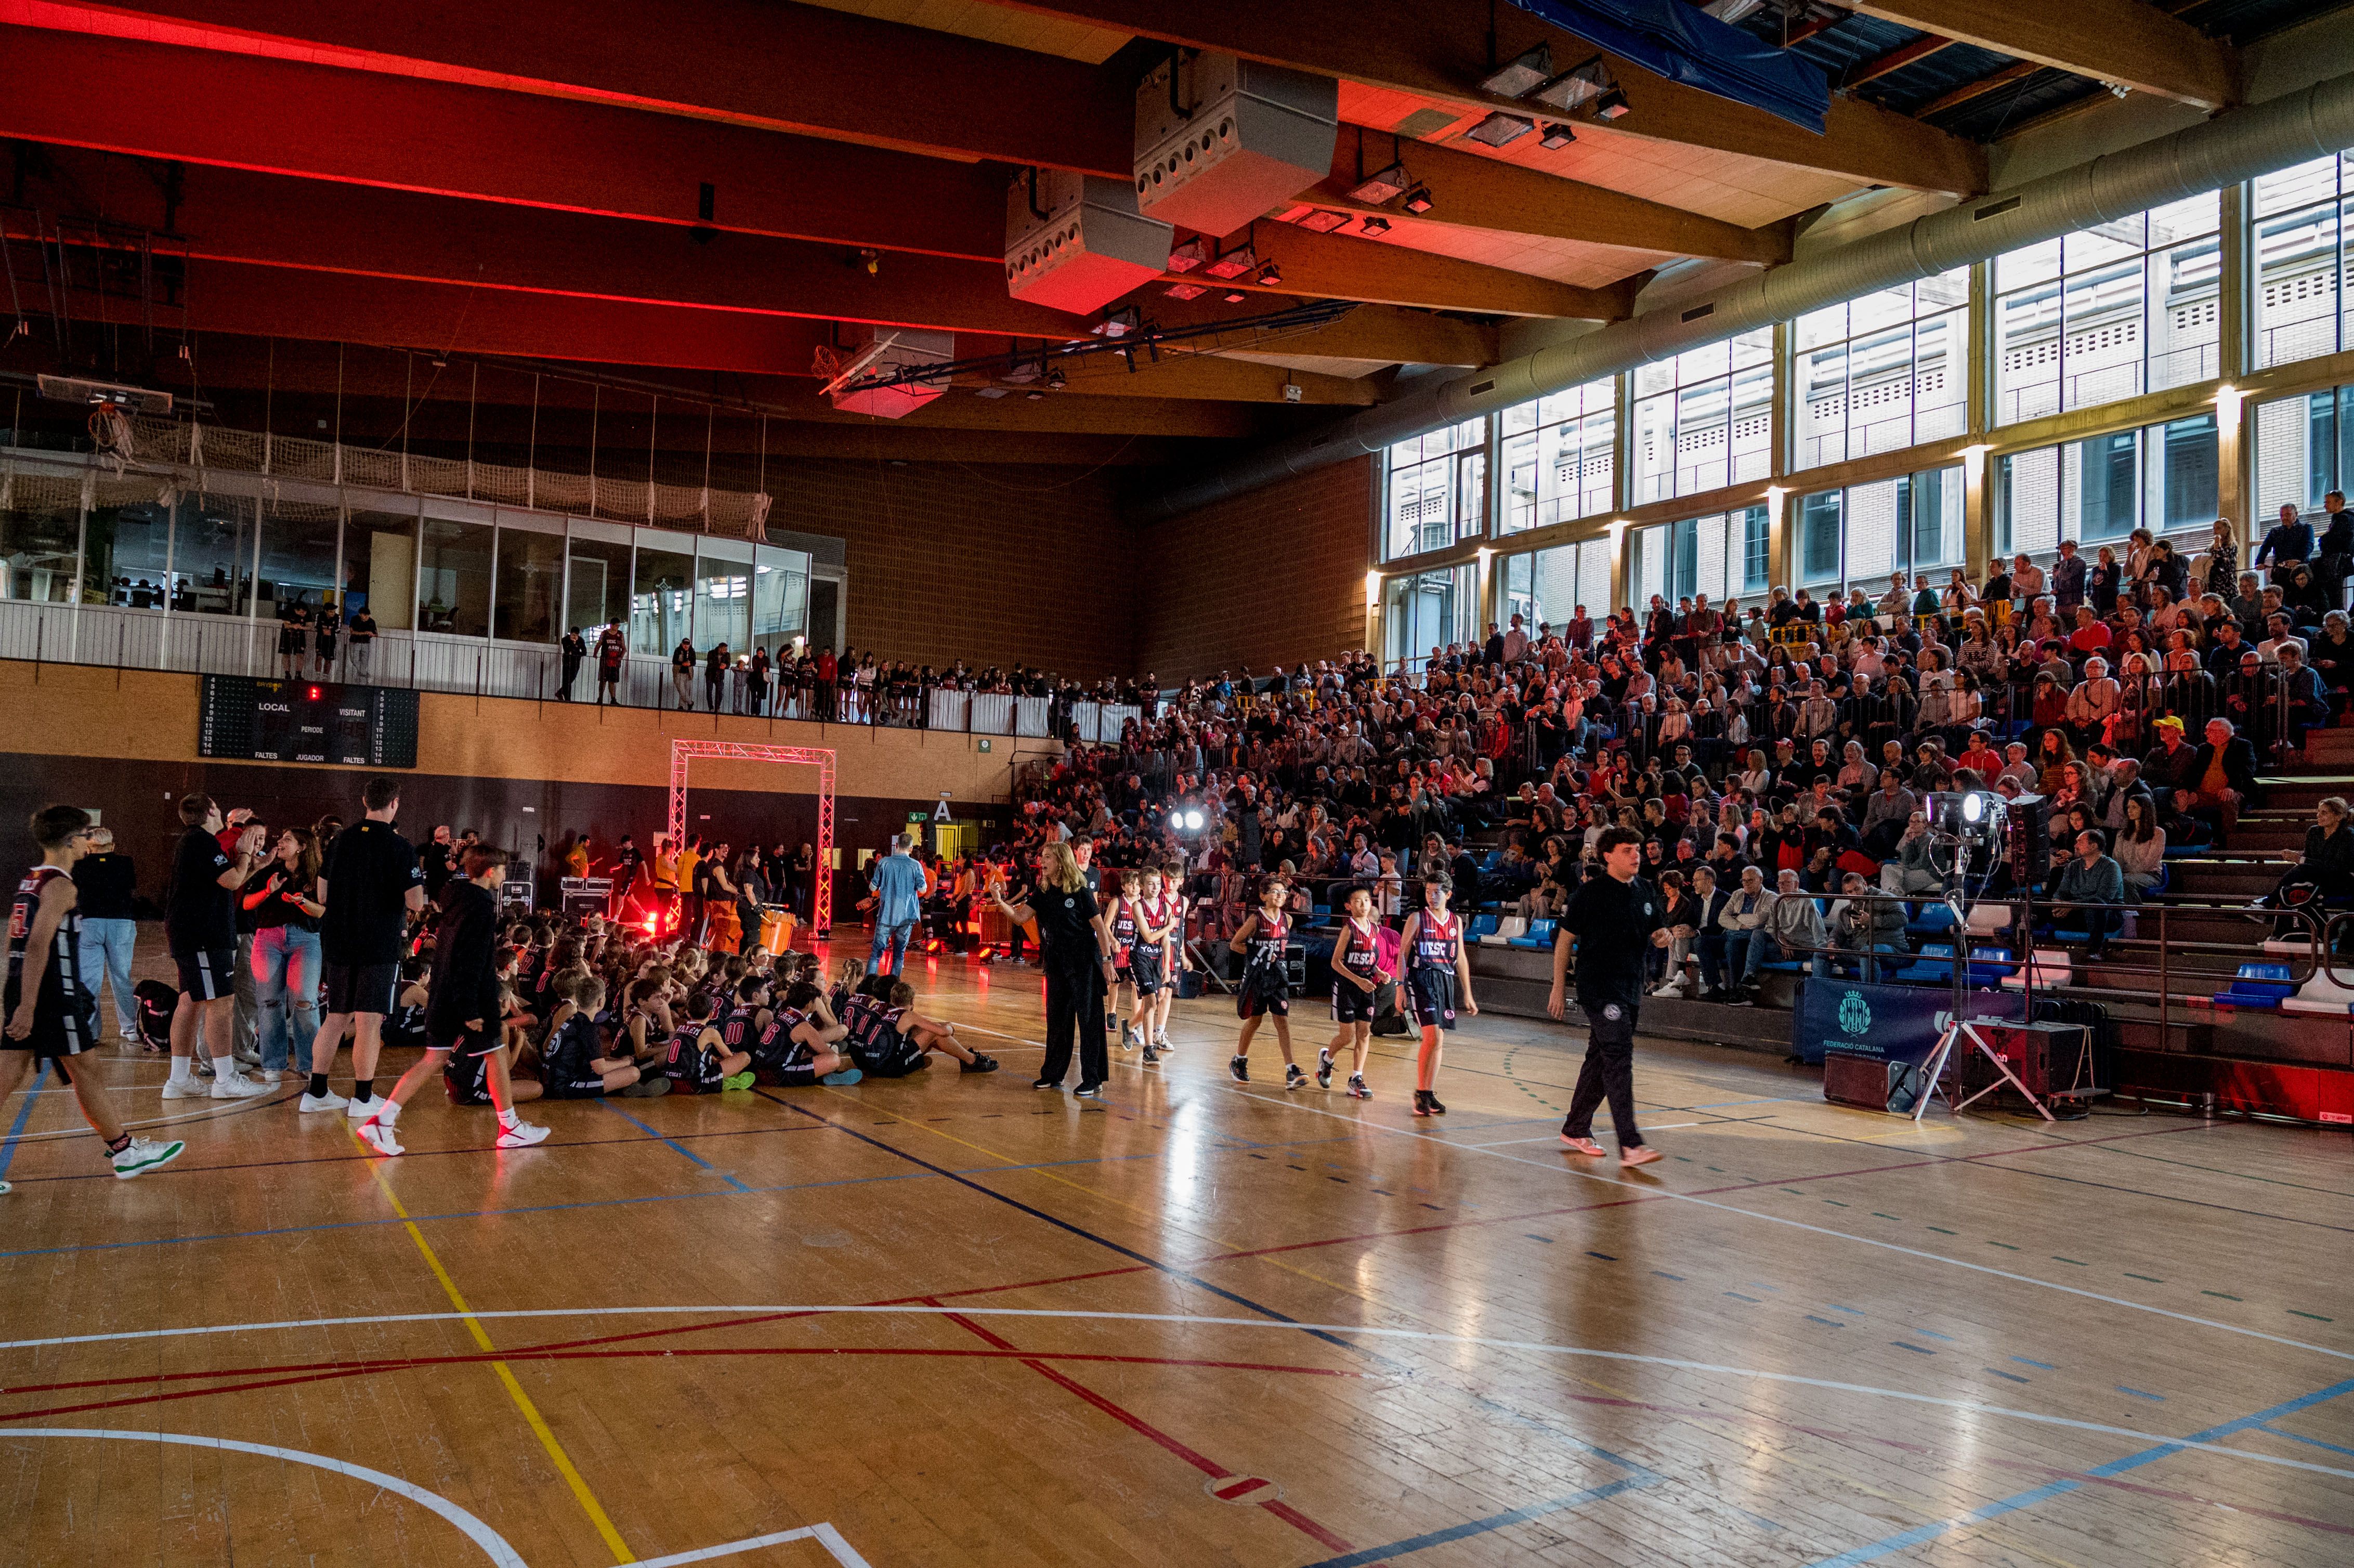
[1324, 1068]
[1422, 1102]
[1047, 1084]
[1740, 998]
[1293, 1079]
[1240, 1067]
[1713, 993]
[1357, 1090]
[1151, 1054]
[1430, 1098]
[1087, 1092]
[979, 1064]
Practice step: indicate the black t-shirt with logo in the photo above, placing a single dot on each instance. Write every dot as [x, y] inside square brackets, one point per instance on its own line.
[370, 869]
[201, 917]
[1613, 922]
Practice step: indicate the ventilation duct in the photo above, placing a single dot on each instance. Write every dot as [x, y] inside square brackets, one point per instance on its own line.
[2314, 123]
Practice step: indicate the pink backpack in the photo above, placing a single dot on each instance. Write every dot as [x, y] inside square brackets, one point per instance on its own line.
[1388, 944]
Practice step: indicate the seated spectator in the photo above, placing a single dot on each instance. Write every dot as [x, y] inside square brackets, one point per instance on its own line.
[1742, 918]
[2091, 887]
[1866, 925]
[1913, 870]
[2140, 846]
[2320, 876]
[2221, 777]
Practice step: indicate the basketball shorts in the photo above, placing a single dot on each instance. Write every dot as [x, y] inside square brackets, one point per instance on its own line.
[207, 975]
[1430, 999]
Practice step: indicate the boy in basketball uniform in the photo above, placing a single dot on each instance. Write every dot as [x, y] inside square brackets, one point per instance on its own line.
[1356, 978]
[573, 1063]
[1438, 971]
[1127, 932]
[52, 1015]
[1173, 950]
[1265, 988]
[797, 1048]
[699, 1062]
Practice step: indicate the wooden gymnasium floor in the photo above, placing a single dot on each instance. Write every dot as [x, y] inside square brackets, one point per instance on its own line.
[953, 1321]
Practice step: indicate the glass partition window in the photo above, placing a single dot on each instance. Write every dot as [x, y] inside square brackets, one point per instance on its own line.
[1723, 555]
[2109, 313]
[2099, 490]
[380, 568]
[780, 599]
[1436, 491]
[453, 578]
[2297, 231]
[1883, 372]
[1862, 535]
[530, 583]
[723, 596]
[212, 555]
[2304, 450]
[39, 548]
[1705, 420]
[1561, 457]
[298, 558]
[661, 590]
[128, 555]
[1423, 610]
[1545, 588]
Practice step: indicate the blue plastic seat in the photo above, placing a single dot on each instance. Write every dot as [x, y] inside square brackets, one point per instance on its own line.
[2258, 986]
[1539, 935]
[1934, 967]
[1482, 925]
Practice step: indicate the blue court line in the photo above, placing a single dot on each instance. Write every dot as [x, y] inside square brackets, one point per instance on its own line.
[664, 1137]
[2023, 1361]
[2138, 1393]
[1482, 1526]
[24, 1115]
[2029, 1499]
[2300, 1438]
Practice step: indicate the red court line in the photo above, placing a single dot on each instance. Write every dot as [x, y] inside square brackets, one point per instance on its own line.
[1137, 1424]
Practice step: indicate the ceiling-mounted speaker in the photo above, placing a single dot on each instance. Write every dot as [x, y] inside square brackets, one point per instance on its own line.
[874, 351]
[1075, 242]
[1220, 140]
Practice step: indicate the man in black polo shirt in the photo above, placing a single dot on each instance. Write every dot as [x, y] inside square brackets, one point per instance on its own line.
[438, 856]
[1612, 920]
[371, 884]
[200, 928]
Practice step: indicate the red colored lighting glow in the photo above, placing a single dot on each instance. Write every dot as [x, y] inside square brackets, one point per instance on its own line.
[314, 694]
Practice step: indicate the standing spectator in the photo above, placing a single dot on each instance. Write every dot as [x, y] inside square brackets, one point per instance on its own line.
[438, 857]
[200, 929]
[715, 679]
[2068, 579]
[574, 649]
[1075, 951]
[827, 672]
[899, 886]
[359, 647]
[104, 883]
[612, 651]
[681, 673]
[370, 885]
[2291, 539]
[294, 636]
[282, 903]
[2223, 559]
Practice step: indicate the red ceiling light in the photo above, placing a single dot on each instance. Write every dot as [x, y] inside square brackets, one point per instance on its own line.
[1323, 220]
[1233, 263]
[1184, 291]
[1186, 257]
[1386, 187]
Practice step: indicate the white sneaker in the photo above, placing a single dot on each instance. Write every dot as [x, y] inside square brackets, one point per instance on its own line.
[237, 1087]
[146, 1154]
[521, 1135]
[360, 1110]
[190, 1088]
[1667, 988]
[326, 1102]
[378, 1135]
[246, 1057]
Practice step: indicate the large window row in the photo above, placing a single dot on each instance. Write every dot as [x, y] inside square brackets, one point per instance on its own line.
[2098, 491]
[527, 578]
[1861, 536]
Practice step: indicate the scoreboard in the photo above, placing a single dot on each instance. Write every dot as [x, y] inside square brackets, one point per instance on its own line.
[307, 721]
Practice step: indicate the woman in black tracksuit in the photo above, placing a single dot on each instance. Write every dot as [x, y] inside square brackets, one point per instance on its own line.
[1076, 948]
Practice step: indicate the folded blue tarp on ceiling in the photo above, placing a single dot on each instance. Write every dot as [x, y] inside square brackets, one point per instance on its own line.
[1685, 44]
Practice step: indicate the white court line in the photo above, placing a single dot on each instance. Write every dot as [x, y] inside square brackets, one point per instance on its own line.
[1969, 1406]
[222, 1108]
[494, 1545]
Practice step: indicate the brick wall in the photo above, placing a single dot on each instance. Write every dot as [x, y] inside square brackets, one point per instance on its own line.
[995, 564]
[1270, 578]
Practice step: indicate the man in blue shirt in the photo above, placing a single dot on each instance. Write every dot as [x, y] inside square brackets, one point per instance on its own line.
[898, 882]
[2290, 540]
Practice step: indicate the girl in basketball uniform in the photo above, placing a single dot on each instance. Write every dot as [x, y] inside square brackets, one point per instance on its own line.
[1148, 964]
[797, 1049]
[1265, 988]
[1126, 933]
[1437, 972]
[699, 1062]
[1173, 959]
[1356, 978]
[573, 1064]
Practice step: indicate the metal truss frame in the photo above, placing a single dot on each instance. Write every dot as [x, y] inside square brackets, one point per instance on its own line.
[682, 754]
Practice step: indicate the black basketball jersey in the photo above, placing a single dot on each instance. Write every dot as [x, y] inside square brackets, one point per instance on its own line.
[61, 989]
[1436, 940]
[1362, 958]
[1268, 941]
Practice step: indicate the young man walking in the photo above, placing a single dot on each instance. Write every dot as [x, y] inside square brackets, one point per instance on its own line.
[52, 1014]
[200, 928]
[462, 1017]
[1611, 921]
[372, 884]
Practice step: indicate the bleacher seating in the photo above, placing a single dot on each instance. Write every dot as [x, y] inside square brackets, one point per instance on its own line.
[2259, 986]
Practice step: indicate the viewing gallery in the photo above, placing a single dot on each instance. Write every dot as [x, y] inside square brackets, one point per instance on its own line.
[1439, 783]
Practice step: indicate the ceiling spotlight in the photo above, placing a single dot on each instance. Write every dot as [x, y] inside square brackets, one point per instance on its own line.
[1611, 105]
[1501, 129]
[1235, 296]
[1418, 199]
[1186, 257]
[1514, 78]
[1557, 136]
[1184, 291]
[1376, 190]
[1233, 263]
[993, 392]
[1054, 380]
[1323, 220]
[1119, 323]
[1268, 272]
[1375, 226]
[1574, 86]
[1035, 396]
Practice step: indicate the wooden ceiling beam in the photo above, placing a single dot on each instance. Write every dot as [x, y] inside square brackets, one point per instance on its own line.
[2126, 42]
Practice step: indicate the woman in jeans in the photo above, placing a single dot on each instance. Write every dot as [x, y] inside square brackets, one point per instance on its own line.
[104, 884]
[281, 900]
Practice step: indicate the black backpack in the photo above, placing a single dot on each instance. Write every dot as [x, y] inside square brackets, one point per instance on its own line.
[157, 1003]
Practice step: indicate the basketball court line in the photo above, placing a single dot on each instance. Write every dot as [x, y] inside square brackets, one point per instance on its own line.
[1327, 1331]
[493, 1545]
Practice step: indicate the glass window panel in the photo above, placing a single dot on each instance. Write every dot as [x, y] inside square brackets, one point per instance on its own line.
[2299, 281]
[2103, 243]
[2185, 315]
[453, 577]
[661, 592]
[530, 584]
[2033, 264]
[2026, 355]
[2175, 222]
[723, 596]
[39, 548]
[1818, 327]
[1470, 494]
[597, 589]
[1594, 565]
[1882, 308]
[1946, 291]
[1753, 348]
[1937, 518]
[1701, 364]
[1823, 405]
[779, 599]
[2298, 186]
[1871, 514]
[2186, 474]
[1818, 538]
[2104, 471]
[1756, 542]
[380, 568]
[1941, 379]
[298, 557]
[212, 555]
[2101, 348]
[1654, 447]
[126, 549]
[1423, 610]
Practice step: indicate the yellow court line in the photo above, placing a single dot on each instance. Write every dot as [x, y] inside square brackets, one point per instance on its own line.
[538, 1424]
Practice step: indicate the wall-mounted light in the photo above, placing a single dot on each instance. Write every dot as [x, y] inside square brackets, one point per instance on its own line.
[2228, 398]
[1774, 495]
[1973, 459]
[1372, 590]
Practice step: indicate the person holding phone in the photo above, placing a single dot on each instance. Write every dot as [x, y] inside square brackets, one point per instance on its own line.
[200, 928]
[282, 904]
